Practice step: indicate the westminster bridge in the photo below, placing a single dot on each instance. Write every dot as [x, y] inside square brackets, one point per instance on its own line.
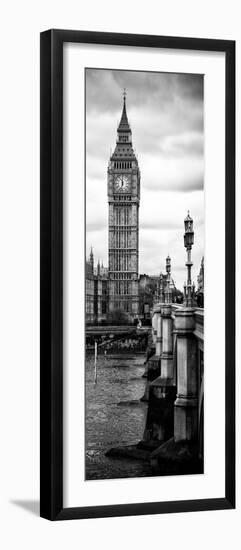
[173, 432]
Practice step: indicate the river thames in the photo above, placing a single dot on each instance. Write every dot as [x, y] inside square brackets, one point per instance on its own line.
[115, 416]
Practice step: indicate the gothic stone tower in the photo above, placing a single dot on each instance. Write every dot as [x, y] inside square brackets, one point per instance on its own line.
[123, 198]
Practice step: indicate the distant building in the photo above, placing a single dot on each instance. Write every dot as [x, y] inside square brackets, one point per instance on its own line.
[150, 289]
[96, 291]
[176, 294]
[147, 290]
[100, 270]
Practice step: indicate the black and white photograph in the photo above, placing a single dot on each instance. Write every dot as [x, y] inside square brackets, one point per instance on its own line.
[144, 274]
[120, 394]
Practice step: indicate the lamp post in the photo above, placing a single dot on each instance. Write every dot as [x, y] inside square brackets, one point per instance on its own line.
[189, 288]
[168, 293]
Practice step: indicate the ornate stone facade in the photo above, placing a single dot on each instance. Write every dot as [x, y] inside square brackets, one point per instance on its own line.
[96, 292]
[123, 189]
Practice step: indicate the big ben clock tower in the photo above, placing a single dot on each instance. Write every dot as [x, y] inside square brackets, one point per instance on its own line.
[123, 198]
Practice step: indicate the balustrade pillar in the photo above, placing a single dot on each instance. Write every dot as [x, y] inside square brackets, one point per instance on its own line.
[186, 404]
[162, 391]
[167, 343]
[159, 335]
[154, 326]
[153, 361]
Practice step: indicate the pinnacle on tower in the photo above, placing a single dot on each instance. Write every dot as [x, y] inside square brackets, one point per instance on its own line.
[91, 259]
[124, 124]
[98, 268]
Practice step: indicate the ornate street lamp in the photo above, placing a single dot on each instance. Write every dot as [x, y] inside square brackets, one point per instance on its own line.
[189, 287]
[168, 292]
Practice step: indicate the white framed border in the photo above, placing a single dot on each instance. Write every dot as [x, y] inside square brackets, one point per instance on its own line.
[211, 484]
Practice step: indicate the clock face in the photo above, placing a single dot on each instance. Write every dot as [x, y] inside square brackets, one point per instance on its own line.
[122, 183]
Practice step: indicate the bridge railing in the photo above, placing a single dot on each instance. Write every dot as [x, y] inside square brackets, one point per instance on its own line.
[178, 336]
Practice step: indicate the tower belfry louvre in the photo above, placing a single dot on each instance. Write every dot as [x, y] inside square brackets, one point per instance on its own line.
[123, 189]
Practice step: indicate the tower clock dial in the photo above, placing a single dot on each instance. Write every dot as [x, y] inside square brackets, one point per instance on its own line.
[122, 183]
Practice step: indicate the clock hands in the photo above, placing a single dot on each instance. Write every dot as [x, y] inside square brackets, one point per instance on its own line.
[122, 182]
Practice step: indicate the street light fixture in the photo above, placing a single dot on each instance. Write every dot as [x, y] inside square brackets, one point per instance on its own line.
[189, 287]
[168, 292]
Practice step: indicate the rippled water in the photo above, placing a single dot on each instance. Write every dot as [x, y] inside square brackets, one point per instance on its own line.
[114, 415]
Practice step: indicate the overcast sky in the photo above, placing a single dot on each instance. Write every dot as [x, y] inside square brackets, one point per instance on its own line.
[166, 116]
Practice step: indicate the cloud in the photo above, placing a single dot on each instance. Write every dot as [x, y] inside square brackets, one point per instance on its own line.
[104, 88]
[187, 143]
[166, 115]
[95, 226]
[171, 174]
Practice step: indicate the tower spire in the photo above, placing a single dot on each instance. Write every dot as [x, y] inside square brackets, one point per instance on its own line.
[98, 267]
[91, 259]
[124, 123]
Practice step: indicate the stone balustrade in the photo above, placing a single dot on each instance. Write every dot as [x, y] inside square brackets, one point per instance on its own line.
[174, 424]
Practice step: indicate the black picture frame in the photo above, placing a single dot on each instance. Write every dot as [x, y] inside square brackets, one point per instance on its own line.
[51, 322]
